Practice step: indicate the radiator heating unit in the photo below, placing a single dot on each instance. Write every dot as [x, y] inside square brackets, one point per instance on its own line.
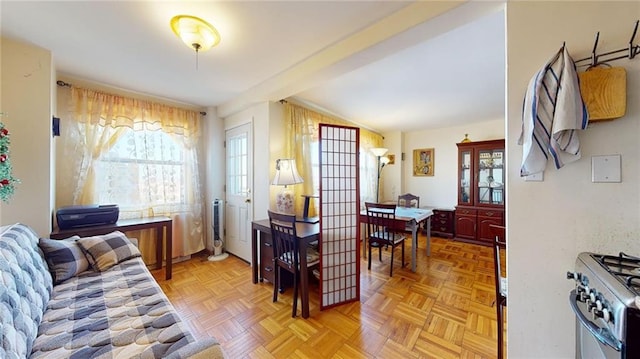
[217, 230]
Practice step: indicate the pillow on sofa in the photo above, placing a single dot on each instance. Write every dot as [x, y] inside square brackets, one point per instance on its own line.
[64, 257]
[103, 252]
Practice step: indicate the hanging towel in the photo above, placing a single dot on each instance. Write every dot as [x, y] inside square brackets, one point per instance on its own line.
[552, 112]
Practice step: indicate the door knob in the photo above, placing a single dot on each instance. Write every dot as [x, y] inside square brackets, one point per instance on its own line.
[248, 200]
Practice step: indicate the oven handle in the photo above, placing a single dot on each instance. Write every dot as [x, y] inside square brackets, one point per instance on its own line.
[603, 335]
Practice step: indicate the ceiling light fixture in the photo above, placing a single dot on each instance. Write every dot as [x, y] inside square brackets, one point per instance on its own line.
[195, 33]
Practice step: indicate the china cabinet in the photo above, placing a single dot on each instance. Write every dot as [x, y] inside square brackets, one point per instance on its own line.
[481, 189]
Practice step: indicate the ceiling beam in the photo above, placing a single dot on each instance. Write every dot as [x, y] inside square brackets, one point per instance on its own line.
[409, 26]
[301, 75]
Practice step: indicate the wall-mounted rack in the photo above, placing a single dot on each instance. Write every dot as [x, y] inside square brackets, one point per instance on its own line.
[598, 59]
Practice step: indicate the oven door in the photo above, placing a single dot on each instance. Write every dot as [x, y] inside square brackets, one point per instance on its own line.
[592, 341]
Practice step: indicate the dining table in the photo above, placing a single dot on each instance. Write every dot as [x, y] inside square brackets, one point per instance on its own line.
[411, 217]
[310, 232]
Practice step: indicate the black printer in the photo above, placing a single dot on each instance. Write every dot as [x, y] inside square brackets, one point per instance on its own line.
[85, 216]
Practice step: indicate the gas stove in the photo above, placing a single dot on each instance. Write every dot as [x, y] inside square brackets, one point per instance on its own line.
[625, 268]
[606, 301]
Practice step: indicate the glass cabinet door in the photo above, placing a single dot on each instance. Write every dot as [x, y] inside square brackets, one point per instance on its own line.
[491, 177]
[465, 178]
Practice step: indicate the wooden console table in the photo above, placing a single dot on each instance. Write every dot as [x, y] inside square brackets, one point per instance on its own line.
[124, 225]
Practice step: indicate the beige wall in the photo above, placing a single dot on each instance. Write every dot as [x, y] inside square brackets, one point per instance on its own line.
[27, 102]
[550, 222]
[276, 143]
[214, 158]
[439, 190]
[63, 194]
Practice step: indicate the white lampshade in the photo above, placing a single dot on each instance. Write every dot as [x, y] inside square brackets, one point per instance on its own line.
[286, 173]
[379, 151]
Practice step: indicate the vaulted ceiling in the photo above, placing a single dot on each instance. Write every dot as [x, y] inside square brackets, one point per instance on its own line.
[388, 65]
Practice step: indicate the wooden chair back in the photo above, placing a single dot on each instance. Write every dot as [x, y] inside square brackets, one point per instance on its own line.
[409, 200]
[285, 244]
[384, 230]
[381, 221]
[499, 247]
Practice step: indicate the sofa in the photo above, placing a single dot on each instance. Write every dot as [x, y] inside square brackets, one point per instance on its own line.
[89, 297]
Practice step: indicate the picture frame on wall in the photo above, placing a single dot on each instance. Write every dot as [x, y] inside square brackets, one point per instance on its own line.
[392, 159]
[423, 162]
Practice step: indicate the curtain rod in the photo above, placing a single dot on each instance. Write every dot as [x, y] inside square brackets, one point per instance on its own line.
[63, 84]
[66, 84]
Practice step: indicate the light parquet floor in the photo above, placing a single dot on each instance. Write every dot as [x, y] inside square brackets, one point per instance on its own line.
[444, 310]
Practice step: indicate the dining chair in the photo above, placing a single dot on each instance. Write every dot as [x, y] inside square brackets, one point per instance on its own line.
[409, 200]
[384, 230]
[286, 249]
[499, 245]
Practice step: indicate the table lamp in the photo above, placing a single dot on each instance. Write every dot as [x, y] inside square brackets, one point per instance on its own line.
[286, 174]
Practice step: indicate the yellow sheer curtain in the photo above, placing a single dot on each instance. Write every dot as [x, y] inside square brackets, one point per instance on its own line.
[301, 135]
[109, 110]
[97, 121]
[369, 166]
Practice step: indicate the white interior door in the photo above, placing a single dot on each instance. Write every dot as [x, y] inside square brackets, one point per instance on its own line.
[239, 157]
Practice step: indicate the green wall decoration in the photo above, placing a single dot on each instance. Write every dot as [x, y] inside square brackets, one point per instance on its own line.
[7, 181]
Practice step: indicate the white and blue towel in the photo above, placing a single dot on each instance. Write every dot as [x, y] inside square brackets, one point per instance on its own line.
[552, 112]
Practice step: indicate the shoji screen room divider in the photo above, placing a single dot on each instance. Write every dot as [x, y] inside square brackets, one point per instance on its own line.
[339, 210]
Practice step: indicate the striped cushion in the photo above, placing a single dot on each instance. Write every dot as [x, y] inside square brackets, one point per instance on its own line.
[25, 289]
[64, 257]
[103, 252]
[313, 257]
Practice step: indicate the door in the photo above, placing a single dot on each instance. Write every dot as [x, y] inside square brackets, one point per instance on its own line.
[239, 159]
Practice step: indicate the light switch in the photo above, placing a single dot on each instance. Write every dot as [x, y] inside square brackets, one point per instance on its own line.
[605, 168]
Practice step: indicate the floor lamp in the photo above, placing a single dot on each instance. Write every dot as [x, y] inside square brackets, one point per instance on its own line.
[286, 174]
[379, 152]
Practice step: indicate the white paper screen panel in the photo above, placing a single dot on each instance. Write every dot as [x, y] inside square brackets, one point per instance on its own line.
[339, 229]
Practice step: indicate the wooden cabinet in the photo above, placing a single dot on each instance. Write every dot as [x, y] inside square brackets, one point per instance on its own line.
[485, 218]
[442, 222]
[266, 257]
[481, 189]
[262, 266]
[465, 221]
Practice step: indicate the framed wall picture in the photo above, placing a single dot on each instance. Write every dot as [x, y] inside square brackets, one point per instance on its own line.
[392, 159]
[423, 162]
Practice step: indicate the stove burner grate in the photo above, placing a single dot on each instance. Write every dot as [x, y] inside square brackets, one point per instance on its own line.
[625, 268]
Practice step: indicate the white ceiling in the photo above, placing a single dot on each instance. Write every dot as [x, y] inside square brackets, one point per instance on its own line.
[389, 66]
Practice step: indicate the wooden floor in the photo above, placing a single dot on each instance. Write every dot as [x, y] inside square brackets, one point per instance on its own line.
[444, 310]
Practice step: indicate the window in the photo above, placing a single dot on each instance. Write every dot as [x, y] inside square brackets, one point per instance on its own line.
[237, 178]
[143, 169]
